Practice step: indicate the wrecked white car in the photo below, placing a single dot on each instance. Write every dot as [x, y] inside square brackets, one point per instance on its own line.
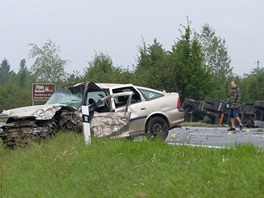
[116, 110]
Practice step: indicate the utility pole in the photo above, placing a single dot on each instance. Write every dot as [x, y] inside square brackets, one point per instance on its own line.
[258, 62]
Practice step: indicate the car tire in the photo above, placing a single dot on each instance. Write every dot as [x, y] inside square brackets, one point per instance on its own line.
[70, 121]
[54, 128]
[157, 128]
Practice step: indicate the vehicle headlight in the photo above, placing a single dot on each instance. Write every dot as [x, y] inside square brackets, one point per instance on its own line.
[48, 113]
[40, 113]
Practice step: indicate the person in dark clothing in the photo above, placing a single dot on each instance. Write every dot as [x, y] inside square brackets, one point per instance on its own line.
[234, 97]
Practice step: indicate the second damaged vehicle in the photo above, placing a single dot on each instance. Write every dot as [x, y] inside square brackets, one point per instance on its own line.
[116, 110]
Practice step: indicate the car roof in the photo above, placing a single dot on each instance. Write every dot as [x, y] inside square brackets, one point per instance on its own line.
[150, 89]
[111, 85]
[114, 85]
[120, 85]
[106, 85]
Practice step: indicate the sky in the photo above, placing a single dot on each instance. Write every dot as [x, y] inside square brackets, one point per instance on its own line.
[82, 28]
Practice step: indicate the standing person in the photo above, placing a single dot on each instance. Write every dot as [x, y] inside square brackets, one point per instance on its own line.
[234, 97]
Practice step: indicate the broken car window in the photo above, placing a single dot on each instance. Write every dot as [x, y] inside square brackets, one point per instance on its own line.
[68, 96]
[150, 95]
[94, 96]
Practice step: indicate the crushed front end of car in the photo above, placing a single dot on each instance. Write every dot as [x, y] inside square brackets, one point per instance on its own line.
[29, 124]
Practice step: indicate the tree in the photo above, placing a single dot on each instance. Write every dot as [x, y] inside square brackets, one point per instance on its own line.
[25, 79]
[217, 59]
[101, 69]
[5, 66]
[153, 68]
[6, 76]
[75, 77]
[251, 85]
[13, 96]
[48, 66]
[192, 77]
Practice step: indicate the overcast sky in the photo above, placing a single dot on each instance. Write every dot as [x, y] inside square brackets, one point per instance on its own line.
[116, 27]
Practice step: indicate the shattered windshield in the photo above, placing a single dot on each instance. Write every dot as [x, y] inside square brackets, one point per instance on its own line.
[69, 96]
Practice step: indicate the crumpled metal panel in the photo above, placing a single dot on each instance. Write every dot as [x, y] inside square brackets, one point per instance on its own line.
[38, 111]
[71, 121]
[21, 133]
[110, 123]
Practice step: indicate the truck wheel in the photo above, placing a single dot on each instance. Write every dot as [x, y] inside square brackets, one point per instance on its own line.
[157, 128]
[209, 106]
[259, 104]
[208, 119]
[210, 101]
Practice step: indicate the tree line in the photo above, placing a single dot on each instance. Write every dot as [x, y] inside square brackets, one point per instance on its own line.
[197, 66]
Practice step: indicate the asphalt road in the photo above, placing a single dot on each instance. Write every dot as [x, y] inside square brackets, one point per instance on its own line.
[217, 137]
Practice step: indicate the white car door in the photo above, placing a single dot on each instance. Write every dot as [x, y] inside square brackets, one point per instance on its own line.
[112, 124]
[139, 111]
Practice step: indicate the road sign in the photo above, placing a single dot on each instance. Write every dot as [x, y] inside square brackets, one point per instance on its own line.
[42, 91]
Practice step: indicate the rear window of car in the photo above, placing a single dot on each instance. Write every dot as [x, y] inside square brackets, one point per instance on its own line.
[150, 95]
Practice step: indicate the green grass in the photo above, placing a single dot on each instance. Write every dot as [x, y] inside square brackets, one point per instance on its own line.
[66, 167]
[198, 124]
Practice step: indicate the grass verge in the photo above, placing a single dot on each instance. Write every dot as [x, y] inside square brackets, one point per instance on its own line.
[198, 124]
[66, 167]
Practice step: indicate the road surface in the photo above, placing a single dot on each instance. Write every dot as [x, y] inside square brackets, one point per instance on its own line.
[216, 137]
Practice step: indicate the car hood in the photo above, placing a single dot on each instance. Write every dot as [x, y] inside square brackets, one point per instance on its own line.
[38, 111]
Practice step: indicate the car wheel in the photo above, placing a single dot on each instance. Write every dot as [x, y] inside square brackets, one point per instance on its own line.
[157, 128]
[70, 121]
[54, 128]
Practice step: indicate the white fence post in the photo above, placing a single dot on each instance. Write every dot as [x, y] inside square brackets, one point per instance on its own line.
[86, 124]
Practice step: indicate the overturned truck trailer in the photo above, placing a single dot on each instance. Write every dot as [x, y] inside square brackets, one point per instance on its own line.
[214, 111]
[259, 114]
[207, 111]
